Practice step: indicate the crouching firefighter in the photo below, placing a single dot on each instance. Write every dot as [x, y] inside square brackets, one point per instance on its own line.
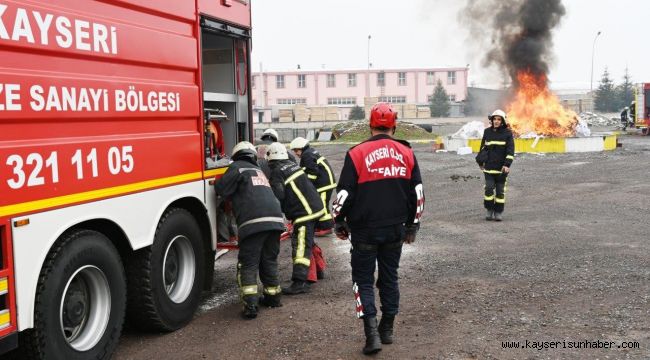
[379, 203]
[300, 204]
[320, 173]
[260, 223]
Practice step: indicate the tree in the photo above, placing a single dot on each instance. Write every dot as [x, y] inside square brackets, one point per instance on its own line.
[605, 98]
[625, 91]
[357, 113]
[439, 102]
[470, 106]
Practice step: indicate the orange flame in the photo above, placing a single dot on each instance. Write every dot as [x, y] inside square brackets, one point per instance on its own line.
[536, 109]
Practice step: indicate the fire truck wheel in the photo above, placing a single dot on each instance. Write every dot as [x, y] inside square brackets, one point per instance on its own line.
[166, 279]
[80, 300]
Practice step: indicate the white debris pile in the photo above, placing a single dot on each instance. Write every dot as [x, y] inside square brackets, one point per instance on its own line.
[598, 120]
[471, 130]
[529, 135]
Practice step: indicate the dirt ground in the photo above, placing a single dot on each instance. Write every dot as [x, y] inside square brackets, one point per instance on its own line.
[570, 263]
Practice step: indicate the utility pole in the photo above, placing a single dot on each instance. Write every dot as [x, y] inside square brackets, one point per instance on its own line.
[368, 72]
[593, 51]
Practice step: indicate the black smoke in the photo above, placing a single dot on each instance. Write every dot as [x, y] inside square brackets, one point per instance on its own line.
[517, 33]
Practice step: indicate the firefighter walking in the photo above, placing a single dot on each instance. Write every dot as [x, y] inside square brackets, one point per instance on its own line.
[260, 223]
[379, 203]
[499, 146]
[300, 204]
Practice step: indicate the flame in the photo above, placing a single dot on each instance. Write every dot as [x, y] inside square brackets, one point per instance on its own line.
[536, 109]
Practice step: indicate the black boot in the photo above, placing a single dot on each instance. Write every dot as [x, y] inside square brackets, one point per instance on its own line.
[272, 301]
[373, 343]
[297, 287]
[386, 329]
[250, 310]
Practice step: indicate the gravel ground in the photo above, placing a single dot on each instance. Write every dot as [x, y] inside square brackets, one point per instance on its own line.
[571, 262]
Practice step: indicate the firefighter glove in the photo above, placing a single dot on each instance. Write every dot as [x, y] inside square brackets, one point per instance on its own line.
[342, 230]
[410, 231]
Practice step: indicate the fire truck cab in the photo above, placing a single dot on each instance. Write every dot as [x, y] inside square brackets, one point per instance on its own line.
[640, 110]
[115, 117]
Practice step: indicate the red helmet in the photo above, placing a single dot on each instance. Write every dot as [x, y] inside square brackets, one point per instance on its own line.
[382, 115]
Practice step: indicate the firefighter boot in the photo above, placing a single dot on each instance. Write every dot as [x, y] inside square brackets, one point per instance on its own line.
[489, 216]
[498, 217]
[297, 287]
[386, 328]
[272, 301]
[320, 274]
[373, 342]
[250, 310]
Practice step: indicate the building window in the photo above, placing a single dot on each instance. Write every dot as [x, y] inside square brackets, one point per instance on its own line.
[302, 82]
[381, 79]
[451, 78]
[452, 98]
[352, 80]
[253, 81]
[291, 101]
[279, 81]
[331, 80]
[393, 99]
[401, 78]
[431, 78]
[342, 101]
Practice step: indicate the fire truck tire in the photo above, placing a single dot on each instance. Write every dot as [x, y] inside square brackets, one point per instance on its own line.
[80, 301]
[165, 280]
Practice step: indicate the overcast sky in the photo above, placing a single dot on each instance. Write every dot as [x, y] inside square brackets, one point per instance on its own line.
[333, 34]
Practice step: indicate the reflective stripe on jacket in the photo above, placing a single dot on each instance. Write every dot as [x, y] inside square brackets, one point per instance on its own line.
[299, 199]
[501, 149]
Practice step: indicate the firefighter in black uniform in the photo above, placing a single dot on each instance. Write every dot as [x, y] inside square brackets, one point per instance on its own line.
[260, 222]
[499, 145]
[624, 118]
[300, 204]
[269, 136]
[320, 172]
[379, 203]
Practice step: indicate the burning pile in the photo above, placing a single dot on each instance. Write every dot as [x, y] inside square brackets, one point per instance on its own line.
[520, 46]
[535, 109]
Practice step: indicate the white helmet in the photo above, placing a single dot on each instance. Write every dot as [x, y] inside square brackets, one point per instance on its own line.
[242, 146]
[270, 133]
[299, 143]
[276, 151]
[498, 113]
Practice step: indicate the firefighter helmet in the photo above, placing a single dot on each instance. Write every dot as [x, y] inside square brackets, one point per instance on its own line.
[271, 134]
[498, 112]
[382, 115]
[276, 151]
[299, 143]
[244, 149]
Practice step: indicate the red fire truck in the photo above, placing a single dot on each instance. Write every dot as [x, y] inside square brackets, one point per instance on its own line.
[106, 159]
[640, 109]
